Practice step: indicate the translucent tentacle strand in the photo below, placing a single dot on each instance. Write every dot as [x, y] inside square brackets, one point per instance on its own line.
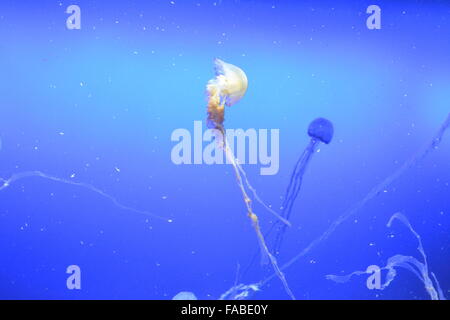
[28, 174]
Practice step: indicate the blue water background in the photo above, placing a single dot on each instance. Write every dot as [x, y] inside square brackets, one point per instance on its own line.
[89, 102]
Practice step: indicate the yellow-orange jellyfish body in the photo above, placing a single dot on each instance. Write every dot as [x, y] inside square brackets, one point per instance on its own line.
[226, 89]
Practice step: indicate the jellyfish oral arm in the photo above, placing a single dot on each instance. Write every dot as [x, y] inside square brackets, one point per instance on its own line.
[215, 109]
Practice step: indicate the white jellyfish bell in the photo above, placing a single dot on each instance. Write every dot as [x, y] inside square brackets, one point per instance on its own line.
[185, 295]
[226, 89]
[232, 81]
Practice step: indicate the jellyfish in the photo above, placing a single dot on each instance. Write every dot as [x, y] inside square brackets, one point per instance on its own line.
[226, 89]
[418, 268]
[4, 183]
[375, 191]
[321, 131]
[185, 295]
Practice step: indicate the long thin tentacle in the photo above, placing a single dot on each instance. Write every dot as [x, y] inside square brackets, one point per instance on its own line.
[298, 173]
[28, 174]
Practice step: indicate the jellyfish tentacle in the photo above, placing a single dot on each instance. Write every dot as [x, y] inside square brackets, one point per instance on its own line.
[27, 174]
[438, 287]
[293, 180]
[273, 260]
[298, 178]
[258, 199]
[294, 190]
